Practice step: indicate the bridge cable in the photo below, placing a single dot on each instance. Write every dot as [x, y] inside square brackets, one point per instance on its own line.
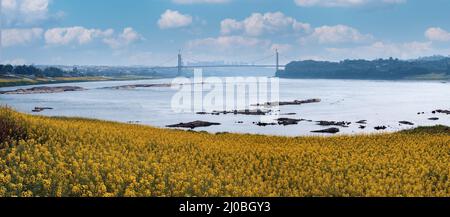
[165, 62]
[261, 59]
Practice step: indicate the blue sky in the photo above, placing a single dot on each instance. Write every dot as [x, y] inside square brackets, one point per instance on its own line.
[150, 32]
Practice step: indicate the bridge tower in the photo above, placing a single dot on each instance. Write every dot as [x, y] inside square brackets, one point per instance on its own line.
[180, 63]
[277, 60]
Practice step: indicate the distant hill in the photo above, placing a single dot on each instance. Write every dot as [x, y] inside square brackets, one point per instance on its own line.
[436, 67]
[431, 58]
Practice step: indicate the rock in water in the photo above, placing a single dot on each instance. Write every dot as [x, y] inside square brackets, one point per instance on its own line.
[292, 113]
[406, 123]
[193, 125]
[295, 102]
[447, 112]
[262, 124]
[40, 109]
[134, 86]
[329, 130]
[237, 112]
[334, 123]
[43, 89]
[288, 121]
[380, 127]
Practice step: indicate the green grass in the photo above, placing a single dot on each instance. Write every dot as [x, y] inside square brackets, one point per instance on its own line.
[439, 129]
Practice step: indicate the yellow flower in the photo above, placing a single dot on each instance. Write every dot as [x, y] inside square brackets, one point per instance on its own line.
[78, 157]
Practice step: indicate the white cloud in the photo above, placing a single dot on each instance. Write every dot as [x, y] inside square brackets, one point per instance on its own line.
[13, 37]
[76, 34]
[228, 42]
[81, 35]
[228, 26]
[9, 4]
[384, 50]
[18, 61]
[258, 24]
[344, 3]
[229, 48]
[174, 19]
[236, 48]
[282, 48]
[249, 38]
[33, 6]
[437, 34]
[336, 34]
[200, 1]
[18, 12]
[128, 36]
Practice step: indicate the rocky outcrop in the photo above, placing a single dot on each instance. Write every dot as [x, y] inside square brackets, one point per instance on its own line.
[43, 89]
[380, 128]
[263, 124]
[288, 114]
[193, 125]
[406, 123]
[295, 102]
[237, 112]
[329, 130]
[288, 121]
[134, 86]
[41, 109]
[334, 123]
[362, 122]
[447, 112]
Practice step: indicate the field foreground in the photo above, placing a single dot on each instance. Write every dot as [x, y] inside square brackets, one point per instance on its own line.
[41, 156]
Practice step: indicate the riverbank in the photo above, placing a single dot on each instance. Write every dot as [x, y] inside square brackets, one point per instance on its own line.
[24, 81]
[42, 156]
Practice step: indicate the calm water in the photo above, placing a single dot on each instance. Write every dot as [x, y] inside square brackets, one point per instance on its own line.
[379, 102]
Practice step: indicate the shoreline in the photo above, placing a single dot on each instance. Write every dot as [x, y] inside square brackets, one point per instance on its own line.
[414, 128]
[182, 128]
[81, 80]
[89, 79]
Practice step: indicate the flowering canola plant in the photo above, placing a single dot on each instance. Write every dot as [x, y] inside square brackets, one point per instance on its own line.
[59, 157]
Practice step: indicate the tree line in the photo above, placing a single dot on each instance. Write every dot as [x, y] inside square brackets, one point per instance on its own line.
[364, 69]
[30, 70]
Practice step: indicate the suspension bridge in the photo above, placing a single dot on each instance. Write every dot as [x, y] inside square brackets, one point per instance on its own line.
[254, 64]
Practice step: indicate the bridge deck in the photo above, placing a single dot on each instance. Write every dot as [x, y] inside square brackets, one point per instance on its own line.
[219, 66]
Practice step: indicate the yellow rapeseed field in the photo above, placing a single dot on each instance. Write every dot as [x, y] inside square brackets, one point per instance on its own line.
[41, 156]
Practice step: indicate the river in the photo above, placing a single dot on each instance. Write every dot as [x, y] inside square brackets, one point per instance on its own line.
[381, 103]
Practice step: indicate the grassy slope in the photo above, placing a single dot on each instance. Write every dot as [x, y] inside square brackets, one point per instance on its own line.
[79, 157]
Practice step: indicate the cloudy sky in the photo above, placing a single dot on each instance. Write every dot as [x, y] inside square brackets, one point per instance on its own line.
[150, 32]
